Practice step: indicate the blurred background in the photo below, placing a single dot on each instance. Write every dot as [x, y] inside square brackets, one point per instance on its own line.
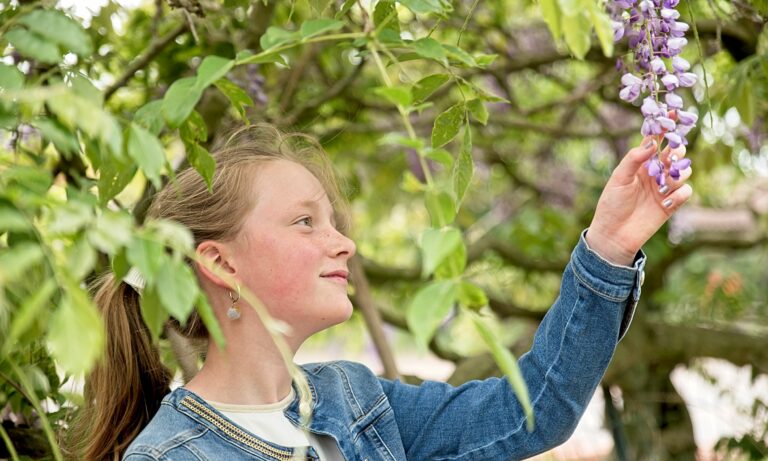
[689, 379]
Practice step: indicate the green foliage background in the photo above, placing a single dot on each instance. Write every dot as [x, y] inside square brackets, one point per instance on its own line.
[473, 139]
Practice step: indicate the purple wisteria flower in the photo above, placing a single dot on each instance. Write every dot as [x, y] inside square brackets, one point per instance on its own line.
[656, 38]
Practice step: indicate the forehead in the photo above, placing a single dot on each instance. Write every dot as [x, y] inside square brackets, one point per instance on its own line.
[281, 182]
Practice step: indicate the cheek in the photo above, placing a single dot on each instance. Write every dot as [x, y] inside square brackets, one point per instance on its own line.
[282, 273]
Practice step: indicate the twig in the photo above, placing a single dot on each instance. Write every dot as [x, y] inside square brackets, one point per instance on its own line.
[153, 50]
[372, 318]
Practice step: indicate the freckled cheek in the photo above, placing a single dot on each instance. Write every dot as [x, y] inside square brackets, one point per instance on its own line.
[287, 273]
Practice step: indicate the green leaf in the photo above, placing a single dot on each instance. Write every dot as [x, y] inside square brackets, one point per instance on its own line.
[441, 208]
[460, 55]
[63, 139]
[508, 365]
[12, 220]
[261, 58]
[385, 11]
[172, 234]
[440, 7]
[275, 37]
[202, 161]
[603, 28]
[440, 155]
[83, 87]
[484, 60]
[436, 245]
[76, 333]
[146, 256]
[152, 311]
[430, 49]
[429, 308]
[111, 231]
[464, 168]
[10, 78]
[194, 129]
[211, 69]
[177, 288]
[320, 26]
[478, 110]
[348, 4]
[81, 258]
[150, 117]
[209, 320]
[70, 217]
[146, 150]
[319, 6]
[576, 30]
[454, 264]
[30, 311]
[120, 265]
[58, 28]
[180, 99]
[114, 176]
[397, 95]
[745, 100]
[34, 46]
[427, 85]
[236, 95]
[550, 11]
[472, 296]
[447, 125]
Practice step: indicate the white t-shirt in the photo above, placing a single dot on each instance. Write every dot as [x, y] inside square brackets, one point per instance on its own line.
[269, 423]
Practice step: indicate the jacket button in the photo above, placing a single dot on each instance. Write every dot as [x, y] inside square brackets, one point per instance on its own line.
[642, 277]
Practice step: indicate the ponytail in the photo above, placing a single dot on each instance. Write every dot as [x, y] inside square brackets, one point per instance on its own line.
[124, 390]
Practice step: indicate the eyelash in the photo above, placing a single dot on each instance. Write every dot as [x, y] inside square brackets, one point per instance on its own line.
[306, 218]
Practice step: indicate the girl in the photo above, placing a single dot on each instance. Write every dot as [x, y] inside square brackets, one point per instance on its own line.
[276, 225]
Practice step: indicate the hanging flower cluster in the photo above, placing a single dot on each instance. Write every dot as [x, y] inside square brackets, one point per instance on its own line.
[656, 38]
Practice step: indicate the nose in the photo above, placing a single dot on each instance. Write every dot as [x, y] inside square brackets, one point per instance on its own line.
[342, 245]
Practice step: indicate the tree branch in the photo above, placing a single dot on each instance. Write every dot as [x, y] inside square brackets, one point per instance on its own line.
[365, 303]
[154, 49]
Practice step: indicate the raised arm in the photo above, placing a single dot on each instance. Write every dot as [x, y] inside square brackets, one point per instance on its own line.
[483, 420]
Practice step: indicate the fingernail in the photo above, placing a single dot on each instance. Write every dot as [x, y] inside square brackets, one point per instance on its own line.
[649, 144]
[664, 189]
[667, 203]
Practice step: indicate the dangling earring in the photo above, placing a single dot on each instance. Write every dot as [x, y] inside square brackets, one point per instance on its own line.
[234, 311]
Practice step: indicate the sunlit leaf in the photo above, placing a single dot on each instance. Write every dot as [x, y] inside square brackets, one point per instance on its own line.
[464, 167]
[441, 208]
[211, 69]
[32, 45]
[236, 95]
[436, 244]
[58, 28]
[10, 78]
[508, 365]
[152, 311]
[30, 311]
[397, 95]
[76, 332]
[146, 150]
[276, 36]
[180, 99]
[429, 308]
[177, 288]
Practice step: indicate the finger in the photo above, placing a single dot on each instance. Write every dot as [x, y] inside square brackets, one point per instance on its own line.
[677, 198]
[674, 184]
[635, 158]
[672, 155]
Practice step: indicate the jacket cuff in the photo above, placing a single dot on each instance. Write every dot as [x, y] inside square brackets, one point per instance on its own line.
[621, 284]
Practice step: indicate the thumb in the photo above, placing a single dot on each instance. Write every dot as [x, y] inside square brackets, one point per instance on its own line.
[635, 158]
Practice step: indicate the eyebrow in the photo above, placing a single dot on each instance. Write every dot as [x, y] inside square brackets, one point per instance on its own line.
[315, 205]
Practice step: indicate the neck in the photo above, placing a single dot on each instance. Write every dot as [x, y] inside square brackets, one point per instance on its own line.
[248, 371]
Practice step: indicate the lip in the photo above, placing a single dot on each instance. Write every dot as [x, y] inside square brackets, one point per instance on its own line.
[340, 276]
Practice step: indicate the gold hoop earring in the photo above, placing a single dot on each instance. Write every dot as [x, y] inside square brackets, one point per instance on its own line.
[234, 311]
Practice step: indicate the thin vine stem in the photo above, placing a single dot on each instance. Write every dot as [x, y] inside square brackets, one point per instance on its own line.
[403, 113]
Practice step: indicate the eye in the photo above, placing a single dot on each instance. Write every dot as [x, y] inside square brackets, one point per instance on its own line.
[306, 221]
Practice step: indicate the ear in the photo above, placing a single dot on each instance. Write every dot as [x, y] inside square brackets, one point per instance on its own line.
[215, 254]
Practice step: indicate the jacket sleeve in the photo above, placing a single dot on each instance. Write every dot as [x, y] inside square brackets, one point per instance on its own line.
[483, 420]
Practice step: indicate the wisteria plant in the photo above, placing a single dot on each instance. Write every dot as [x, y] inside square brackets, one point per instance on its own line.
[655, 38]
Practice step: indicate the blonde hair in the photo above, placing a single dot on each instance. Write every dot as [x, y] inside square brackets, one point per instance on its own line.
[124, 391]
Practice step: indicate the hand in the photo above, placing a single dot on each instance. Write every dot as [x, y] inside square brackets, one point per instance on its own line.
[632, 207]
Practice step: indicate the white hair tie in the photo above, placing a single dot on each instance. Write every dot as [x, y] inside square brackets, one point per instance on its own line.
[135, 279]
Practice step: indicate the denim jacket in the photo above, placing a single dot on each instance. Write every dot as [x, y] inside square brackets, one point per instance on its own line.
[373, 418]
